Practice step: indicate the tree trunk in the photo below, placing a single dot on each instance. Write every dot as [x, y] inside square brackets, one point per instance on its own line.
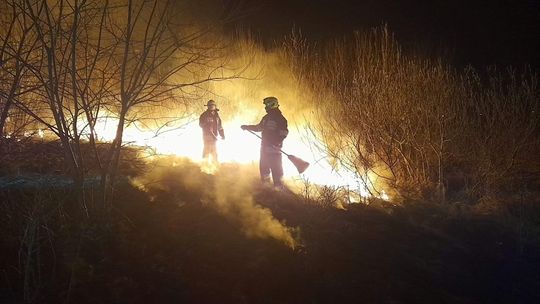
[113, 159]
[3, 116]
[9, 99]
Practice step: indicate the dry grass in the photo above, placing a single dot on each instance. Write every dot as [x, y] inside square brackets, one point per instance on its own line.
[424, 128]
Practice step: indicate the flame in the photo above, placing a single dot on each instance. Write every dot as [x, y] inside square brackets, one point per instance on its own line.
[238, 147]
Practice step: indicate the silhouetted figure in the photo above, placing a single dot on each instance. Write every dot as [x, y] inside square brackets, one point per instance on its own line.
[274, 130]
[210, 122]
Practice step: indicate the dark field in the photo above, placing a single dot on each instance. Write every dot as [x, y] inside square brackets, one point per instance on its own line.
[169, 244]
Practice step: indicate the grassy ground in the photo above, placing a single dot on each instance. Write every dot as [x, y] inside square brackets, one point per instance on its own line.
[169, 243]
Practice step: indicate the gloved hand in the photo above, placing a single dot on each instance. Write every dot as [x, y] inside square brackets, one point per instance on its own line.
[244, 127]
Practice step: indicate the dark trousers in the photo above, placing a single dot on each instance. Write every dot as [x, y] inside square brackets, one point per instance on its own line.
[271, 162]
[209, 150]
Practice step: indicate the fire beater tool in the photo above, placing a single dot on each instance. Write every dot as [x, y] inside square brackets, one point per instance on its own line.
[300, 164]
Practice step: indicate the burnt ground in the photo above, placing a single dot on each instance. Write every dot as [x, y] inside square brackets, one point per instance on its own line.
[170, 247]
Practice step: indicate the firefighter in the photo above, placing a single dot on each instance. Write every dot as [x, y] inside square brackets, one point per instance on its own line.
[274, 130]
[210, 122]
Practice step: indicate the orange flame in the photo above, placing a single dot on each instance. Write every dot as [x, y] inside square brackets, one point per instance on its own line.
[238, 147]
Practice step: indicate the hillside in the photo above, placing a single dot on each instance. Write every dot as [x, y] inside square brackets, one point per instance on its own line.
[186, 236]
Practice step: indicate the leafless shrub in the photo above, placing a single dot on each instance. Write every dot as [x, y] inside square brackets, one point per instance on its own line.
[324, 196]
[66, 64]
[497, 129]
[28, 228]
[414, 122]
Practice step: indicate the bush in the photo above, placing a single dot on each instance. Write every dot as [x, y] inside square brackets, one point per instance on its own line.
[415, 124]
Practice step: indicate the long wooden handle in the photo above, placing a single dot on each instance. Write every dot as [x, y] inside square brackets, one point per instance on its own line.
[272, 145]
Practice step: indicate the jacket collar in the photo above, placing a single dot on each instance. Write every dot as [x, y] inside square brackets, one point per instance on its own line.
[273, 111]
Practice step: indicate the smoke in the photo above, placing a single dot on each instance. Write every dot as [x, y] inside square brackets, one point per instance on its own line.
[249, 72]
[230, 191]
[272, 72]
[234, 199]
[264, 72]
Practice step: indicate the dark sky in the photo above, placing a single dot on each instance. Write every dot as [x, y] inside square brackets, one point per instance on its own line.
[475, 31]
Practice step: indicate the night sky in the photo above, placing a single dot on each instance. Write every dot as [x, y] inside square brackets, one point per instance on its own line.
[477, 32]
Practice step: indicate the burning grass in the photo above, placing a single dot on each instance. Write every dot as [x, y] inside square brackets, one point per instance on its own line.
[377, 124]
[371, 118]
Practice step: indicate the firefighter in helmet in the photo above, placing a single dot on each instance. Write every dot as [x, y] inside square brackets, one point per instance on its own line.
[274, 130]
[210, 122]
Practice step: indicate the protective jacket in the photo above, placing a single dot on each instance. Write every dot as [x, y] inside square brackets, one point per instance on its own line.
[210, 122]
[273, 127]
